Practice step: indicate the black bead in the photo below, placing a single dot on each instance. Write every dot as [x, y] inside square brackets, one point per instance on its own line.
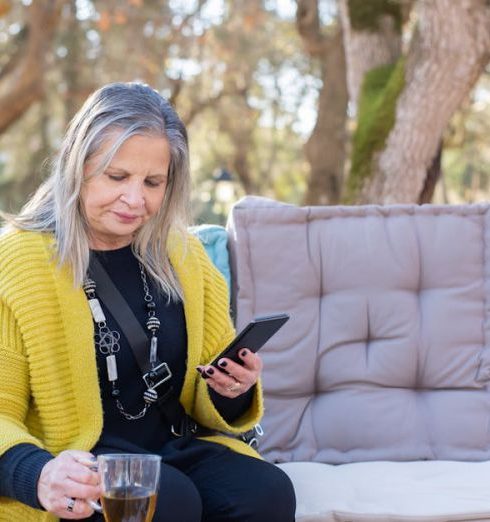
[115, 392]
[150, 396]
[151, 305]
[153, 323]
[89, 286]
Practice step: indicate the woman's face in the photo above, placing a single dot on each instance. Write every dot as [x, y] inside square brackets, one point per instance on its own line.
[128, 193]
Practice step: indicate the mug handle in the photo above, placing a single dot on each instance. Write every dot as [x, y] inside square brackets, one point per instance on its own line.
[95, 505]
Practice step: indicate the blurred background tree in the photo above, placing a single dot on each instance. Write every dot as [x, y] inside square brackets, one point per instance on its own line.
[405, 98]
[314, 101]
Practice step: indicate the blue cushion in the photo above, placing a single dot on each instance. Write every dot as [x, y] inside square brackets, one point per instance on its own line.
[215, 240]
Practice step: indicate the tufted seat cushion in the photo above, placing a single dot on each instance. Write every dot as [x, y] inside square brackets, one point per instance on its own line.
[386, 354]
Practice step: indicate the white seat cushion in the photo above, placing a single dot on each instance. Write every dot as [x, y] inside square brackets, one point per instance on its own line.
[391, 491]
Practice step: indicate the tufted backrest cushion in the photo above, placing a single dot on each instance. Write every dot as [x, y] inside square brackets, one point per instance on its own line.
[386, 354]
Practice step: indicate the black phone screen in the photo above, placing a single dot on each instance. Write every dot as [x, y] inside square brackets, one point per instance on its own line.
[253, 336]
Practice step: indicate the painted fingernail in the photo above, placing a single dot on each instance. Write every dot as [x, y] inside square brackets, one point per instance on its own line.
[210, 371]
[243, 353]
[200, 369]
[222, 363]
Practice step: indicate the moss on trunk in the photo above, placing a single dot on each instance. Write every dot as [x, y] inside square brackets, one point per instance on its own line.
[364, 15]
[376, 117]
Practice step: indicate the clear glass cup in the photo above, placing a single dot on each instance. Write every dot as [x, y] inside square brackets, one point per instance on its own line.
[129, 486]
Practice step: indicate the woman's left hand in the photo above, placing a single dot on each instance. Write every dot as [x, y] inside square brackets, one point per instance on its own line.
[235, 379]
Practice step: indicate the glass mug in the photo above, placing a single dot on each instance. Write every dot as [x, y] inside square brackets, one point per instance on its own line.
[129, 484]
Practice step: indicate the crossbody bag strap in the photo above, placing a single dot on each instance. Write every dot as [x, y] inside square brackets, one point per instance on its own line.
[167, 400]
[132, 329]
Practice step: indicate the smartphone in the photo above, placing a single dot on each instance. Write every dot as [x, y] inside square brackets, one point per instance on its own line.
[253, 337]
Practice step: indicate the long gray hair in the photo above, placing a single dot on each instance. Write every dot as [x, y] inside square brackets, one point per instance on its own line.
[128, 109]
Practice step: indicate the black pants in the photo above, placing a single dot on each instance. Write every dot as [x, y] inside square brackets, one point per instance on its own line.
[202, 481]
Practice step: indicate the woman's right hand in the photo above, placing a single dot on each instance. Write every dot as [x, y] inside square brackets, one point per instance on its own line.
[66, 482]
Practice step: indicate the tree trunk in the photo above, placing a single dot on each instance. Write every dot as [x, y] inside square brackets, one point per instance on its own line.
[325, 149]
[372, 42]
[369, 43]
[434, 173]
[21, 80]
[448, 53]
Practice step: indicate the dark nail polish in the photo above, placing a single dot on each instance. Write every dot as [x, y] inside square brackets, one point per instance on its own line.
[243, 353]
[204, 375]
[199, 370]
[210, 371]
[223, 364]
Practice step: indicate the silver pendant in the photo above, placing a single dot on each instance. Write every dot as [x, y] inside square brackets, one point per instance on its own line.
[96, 309]
[107, 341]
[111, 367]
[153, 350]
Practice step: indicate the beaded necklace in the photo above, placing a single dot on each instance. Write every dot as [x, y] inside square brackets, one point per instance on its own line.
[107, 342]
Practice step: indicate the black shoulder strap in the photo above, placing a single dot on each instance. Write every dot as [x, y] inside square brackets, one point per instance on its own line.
[167, 402]
[121, 311]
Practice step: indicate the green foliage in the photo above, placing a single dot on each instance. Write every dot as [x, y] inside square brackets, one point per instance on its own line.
[377, 110]
[364, 14]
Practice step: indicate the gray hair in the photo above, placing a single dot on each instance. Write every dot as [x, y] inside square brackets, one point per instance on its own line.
[128, 109]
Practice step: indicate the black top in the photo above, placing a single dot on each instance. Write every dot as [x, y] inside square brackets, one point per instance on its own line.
[151, 431]
[21, 465]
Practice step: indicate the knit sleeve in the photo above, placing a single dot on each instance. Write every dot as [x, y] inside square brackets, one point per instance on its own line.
[14, 384]
[232, 409]
[219, 332]
[20, 468]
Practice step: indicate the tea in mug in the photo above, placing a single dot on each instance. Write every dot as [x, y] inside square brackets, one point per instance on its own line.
[129, 504]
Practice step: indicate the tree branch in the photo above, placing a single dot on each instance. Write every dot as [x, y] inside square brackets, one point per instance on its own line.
[21, 79]
[308, 26]
[200, 106]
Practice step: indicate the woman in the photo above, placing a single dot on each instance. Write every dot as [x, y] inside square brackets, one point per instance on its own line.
[73, 383]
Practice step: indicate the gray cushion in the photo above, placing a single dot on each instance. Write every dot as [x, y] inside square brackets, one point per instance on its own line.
[386, 354]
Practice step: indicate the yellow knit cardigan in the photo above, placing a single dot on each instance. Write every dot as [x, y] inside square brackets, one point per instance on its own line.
[49, 390]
